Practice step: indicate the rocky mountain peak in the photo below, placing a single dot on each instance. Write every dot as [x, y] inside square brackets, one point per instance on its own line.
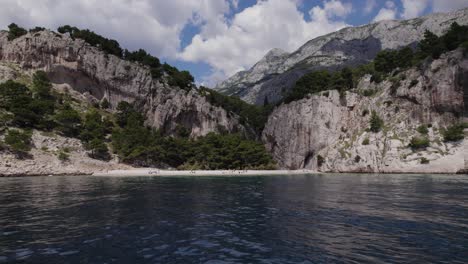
[277, 72]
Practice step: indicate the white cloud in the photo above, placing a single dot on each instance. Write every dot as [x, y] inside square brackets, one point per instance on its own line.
[154, 25]
[254, 31]
[386, 13]
[370, 5]
[413, 8]
[448, 5]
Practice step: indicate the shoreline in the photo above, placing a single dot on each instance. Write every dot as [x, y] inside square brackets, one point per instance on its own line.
[158, 172]
[167, 173]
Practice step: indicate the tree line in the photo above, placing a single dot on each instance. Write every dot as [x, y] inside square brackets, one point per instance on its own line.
[385, 62]
[39, 107]
[182, 79]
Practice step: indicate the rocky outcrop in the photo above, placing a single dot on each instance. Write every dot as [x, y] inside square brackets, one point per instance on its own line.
[43, 158]
[277, 72]
[88, 70]
[334, 128]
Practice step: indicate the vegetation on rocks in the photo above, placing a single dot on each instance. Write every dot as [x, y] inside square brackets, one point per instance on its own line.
[375, 123]
[318, 81]
[15, 31]
[417, 143]
[182, 79]
[365, 142]
[18, 141]
[422, 129]
[454, 132]
[38, 107]
[385, 62]
[253, 115]
[142, 146]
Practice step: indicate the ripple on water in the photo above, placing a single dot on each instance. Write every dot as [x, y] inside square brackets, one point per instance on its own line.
[310, 219]
[70, 252]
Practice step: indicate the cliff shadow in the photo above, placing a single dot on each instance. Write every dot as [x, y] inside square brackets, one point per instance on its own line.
[78, 81]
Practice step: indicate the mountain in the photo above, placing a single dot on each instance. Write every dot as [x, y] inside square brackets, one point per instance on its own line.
[75, 103]
[274, 75]
[84, 68]
[416, 107]
[388, 97]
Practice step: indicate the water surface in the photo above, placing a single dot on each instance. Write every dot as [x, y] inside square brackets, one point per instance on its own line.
[267, 219]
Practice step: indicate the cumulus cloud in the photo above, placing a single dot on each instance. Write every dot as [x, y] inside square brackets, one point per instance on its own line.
[413, 8]
[253, 32]
[448, 5]
[388, 12]
[154, 25]
[370, 6]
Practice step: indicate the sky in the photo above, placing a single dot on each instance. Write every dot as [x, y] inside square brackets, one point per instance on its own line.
[213, 39]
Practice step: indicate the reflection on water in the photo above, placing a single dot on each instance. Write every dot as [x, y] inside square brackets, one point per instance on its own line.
[277, 219]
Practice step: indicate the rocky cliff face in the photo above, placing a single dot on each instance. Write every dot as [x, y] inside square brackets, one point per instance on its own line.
[277, 73]
[335, 128]
[88, 70]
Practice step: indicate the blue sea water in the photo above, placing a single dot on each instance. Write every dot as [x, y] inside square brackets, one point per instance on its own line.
[267, 219]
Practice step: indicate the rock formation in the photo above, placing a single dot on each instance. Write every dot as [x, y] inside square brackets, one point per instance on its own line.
[88, 70]
[333, 128]
[278, 71]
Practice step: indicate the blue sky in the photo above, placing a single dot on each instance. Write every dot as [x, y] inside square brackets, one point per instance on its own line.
[213, 39]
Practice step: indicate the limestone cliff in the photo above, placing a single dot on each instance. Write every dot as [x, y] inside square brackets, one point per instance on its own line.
[277, 72]
[90, 71]
[335, 128]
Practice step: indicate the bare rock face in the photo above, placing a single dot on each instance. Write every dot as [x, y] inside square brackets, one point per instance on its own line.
[276, 73]
[90, 71]
[335, 128]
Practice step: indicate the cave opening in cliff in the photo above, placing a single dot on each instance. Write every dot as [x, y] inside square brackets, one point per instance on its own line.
[308, 158]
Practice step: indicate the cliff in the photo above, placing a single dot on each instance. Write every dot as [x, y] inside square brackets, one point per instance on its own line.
[277, 72]
[325, 132]
[75, 64]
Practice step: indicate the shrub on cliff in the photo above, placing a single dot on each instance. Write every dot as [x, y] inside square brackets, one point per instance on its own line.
[419, 143]
[365, 142]
[453, 133]
[318, 81]
[422, 129]
[18, 142]
[253, 115]
[105, 104]
[98, 149]
[63, 156]
[107, 45]
[376, 123]
[182, 79]
[14, 31]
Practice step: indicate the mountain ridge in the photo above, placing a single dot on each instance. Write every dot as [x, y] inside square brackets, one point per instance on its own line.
[348, 46]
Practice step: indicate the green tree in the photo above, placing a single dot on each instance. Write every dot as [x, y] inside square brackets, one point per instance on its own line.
[419, 143]
[68, 121]
[19, 142]
[105, 104]
[126, 113]
[422, 129]
[454, 133]
[376, 123]
[431, 45]
[98, 149]
[15, 31]
[385, 61]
